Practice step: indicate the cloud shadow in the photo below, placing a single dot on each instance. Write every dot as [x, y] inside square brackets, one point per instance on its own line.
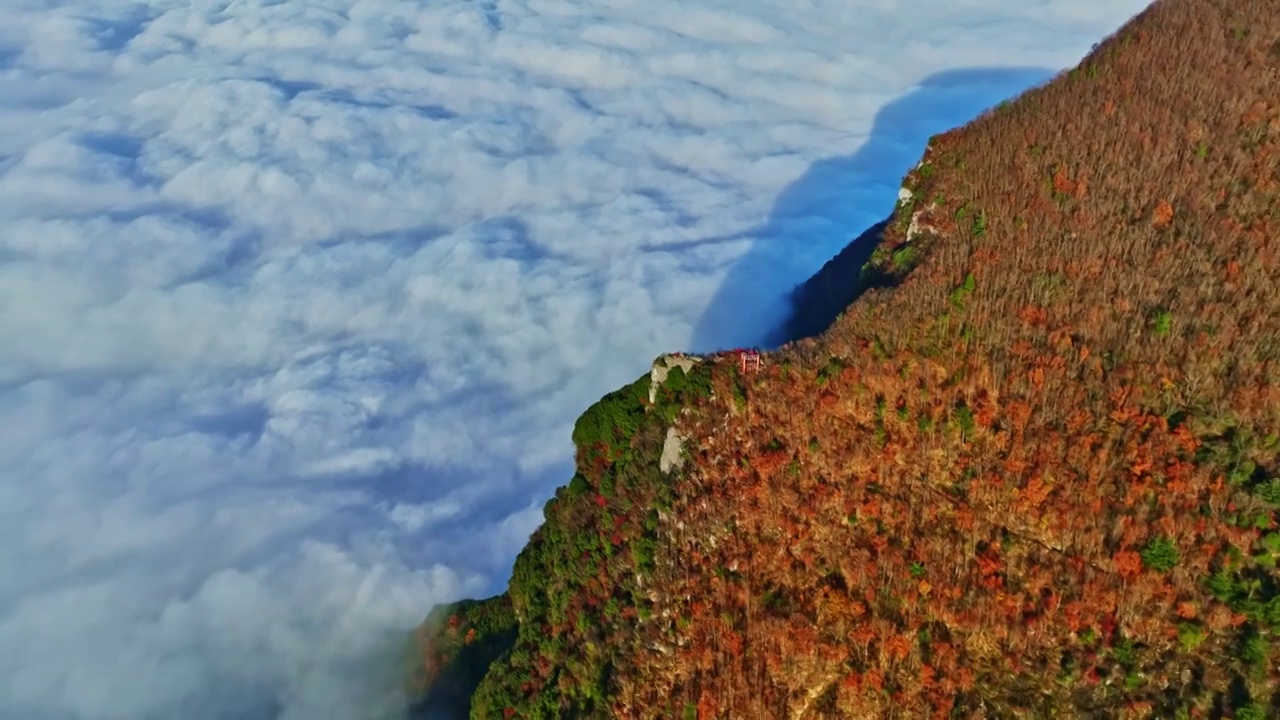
[113, 34]
[814, 218]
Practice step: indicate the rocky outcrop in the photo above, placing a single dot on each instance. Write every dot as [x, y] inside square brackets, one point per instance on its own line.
[663, 365]
[672, 452]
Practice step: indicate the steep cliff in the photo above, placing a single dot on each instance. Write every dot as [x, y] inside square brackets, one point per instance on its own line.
[1031, 471]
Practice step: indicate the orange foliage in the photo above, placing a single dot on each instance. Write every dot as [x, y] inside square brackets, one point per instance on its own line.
[1128, 563]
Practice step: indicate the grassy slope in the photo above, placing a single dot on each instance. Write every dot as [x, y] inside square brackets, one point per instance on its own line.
[1034, 478]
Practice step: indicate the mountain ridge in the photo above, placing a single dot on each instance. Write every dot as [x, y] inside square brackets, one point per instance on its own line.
[1031, 469]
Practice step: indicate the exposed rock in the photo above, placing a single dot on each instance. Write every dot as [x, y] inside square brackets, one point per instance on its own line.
[672, 452]
[664, 365]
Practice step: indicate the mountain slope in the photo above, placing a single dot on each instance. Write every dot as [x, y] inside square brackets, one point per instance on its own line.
[1030, 472]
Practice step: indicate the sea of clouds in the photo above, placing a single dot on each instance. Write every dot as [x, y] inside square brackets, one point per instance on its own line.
[299, 299]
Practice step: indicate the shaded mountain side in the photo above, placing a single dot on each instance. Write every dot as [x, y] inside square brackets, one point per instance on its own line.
[1035, 473]
[452, 651]
[817, 302]
[837, 193]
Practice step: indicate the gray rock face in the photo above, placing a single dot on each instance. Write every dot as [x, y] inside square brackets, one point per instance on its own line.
[672, 452]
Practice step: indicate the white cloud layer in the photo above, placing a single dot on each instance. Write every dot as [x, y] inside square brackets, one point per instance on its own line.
[299, 299]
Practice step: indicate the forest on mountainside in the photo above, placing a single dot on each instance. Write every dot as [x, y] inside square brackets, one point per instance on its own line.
[1032, 471]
